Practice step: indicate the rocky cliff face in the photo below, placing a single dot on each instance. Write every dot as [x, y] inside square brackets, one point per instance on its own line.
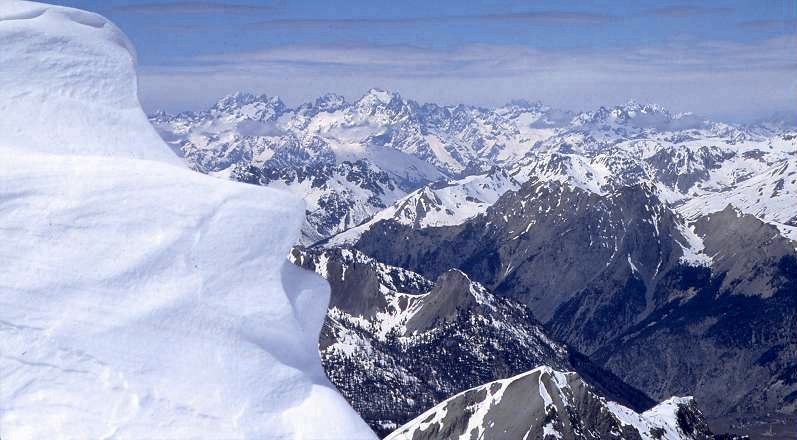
[731, 337]
[545, 242]
[627, 280]
[396, 344]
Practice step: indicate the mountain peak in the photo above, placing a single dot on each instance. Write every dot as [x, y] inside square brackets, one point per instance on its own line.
[526, 104]
[241, 98]
[330, 101]
[638, 115]
[548, 403]
[384, 96]
[632, 107]
[250, 106]
[454, 278]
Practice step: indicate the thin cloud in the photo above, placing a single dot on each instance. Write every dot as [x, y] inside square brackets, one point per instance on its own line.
[686, 11]
[540, 17]
[182, 7]
[551, 17]
[687, 75]
[768, 24]
[502, 60]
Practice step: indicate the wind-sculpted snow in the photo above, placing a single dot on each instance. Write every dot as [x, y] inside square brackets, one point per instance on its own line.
[141, 299]
[68, 85]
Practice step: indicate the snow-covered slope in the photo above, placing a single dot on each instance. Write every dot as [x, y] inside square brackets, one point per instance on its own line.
[137, 300]
[697, 165]
[444, 203]
[263, 132]
[770, 196]
[337, 196]
[546, 403]
[309, 149]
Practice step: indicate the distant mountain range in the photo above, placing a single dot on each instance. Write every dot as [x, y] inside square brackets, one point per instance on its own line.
[352, 160]
[661, 246]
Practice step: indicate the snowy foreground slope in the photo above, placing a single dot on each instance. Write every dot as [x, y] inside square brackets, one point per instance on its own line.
[139, 299]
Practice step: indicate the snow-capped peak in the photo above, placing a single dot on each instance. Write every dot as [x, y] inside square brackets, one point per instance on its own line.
[600, 150]
[527, 105]
[250, 106]
[621, 114]
[330, 102]
[382, 95]
[546, 403]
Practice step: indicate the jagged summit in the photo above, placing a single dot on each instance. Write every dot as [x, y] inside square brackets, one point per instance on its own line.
[526, 104]
[250, 106]
[547, 403]
[330, 102]
[401, 146]
[383, 95]
[643, 116]
[391, 333]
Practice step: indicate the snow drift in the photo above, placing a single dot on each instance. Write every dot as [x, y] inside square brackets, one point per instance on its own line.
[139, 299]
[68, 85]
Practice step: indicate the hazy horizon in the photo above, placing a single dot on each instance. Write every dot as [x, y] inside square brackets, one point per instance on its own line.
[732, 60]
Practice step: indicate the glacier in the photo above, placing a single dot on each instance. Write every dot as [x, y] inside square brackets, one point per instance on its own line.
[139, 299]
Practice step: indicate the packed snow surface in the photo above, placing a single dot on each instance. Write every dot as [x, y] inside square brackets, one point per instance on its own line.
[139, 299]
[68, 85]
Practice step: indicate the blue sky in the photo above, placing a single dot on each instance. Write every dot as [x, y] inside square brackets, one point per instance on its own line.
[728, 59]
